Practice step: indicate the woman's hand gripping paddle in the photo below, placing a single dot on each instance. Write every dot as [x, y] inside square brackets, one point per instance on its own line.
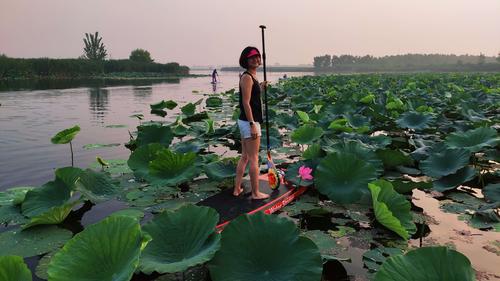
[273, 175]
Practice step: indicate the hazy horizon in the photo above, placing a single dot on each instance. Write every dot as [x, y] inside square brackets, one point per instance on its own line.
[202, 33]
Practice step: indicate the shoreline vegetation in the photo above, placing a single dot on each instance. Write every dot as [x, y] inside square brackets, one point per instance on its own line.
[393, 63]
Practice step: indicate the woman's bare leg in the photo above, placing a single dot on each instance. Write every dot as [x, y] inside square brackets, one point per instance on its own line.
[252, 148]
[240, 169]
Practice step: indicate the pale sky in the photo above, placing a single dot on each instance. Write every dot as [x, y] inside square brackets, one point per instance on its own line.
[200, 32]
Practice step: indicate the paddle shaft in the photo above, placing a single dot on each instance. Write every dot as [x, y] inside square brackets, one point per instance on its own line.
[262, 27]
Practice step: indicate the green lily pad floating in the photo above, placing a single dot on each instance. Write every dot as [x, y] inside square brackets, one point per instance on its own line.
[66, 135]
[33, 241]
[39, 200]
[14, 195]
[474, 140]
[116, 126]
[181, 239]
[98, 145]
[392, 209]
[170, 168]
[223, 169]
[343, 177]
[263, 257]
[141, 157]
[13, 268]
[158, 112]
[414, 120]
[314, 151]
[359, 150]
[213, 102]
[11, 215]
[452, 181]
[303, 116]
[328, 246]
[427, 263]
[107, 250]
[445, 162]
[306, 134]
[154, 133]
[169, 104]
[43, 265]
[492, 192]
[373, 259]
[69, 176]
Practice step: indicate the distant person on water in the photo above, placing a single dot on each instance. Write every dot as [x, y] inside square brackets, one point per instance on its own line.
[249, 121]
[215, 75]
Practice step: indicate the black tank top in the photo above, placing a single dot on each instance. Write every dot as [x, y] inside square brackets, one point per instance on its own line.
[255, 101]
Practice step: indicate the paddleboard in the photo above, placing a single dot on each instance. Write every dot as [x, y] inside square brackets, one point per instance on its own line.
[230, 207]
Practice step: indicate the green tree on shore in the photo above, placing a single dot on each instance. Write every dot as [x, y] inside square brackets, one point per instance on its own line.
[498, 58]
[481, 59]
[94, 48]
[140, 55]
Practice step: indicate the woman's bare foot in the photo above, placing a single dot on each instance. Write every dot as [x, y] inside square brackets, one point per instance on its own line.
[260, 195]
[237, 191]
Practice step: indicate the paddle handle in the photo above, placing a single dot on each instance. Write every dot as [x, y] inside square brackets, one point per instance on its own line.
[262, 27]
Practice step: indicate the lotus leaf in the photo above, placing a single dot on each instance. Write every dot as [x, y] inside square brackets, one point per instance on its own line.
[250, 248]
[343, 177]
[107, 250]
[66, 135]
[392, 210]
[13, 268]
[427, 264]
[445, 162]
[182, 238]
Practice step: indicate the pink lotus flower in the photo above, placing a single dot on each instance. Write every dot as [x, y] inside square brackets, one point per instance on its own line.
[305, 173]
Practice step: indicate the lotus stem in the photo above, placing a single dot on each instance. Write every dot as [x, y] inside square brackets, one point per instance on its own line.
[71, 148]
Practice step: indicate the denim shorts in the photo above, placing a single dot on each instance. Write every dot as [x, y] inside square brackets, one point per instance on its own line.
[245, 131]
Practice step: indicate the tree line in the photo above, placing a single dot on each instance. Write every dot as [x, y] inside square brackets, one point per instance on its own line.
[93, 62]
[406, 62]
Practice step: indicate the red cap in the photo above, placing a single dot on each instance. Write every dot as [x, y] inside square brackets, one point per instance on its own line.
[253, 52]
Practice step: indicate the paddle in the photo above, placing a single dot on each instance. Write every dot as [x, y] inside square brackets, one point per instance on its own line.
[272, 174]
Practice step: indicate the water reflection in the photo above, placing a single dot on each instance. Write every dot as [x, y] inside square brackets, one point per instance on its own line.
[98, 104]
[141, 93]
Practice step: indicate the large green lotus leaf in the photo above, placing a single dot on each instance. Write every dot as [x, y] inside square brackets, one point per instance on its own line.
[359, 149]
[154, 133]
[306, 134]
[39, 200]
[343, 177]
[219, 170]
[114, 166]
[292, 174]
[108, 250]
[14, 195]
[33, 241]
[182, 238]
[13, 268]
[328, 246]
[170, 168]
[492, 192]
[141, 157]
[451, 181]
[11, 215]
[373, 259]
[66, 135]
[427, 264]
[414, 120]
[474, 140]
[196, 117]
[314, 151]
[445, 162]
[96, 186]
[54, 215]
[392, 210]
[250, 248]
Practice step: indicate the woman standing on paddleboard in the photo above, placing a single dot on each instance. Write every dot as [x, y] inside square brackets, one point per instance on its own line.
[249, 122]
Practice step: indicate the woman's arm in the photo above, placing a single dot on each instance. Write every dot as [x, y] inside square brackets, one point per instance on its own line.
[246, 89]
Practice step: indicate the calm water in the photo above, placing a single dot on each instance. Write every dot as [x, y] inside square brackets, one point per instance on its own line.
[28, 120]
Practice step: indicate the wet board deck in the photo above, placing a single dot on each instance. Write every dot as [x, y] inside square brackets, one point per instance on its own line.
[229, 207]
